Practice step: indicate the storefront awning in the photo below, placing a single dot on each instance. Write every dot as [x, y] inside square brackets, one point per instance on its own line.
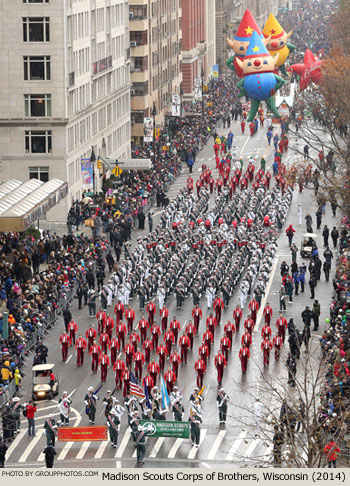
[26, 202]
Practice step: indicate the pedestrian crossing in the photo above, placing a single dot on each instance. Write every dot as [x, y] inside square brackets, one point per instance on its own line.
[215, 445]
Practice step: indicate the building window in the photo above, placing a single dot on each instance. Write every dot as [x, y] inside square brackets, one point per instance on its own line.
[38, 142]
[36, 29]
[37, 68]
[35, 1]
[41, 173]
[37, 105]
[139, 89]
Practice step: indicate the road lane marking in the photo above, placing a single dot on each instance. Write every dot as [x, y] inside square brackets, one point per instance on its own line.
[157, 447]
[64, 451]
[252, 447]
[194, 449]
[216, 445]
[264, 299]
[15, 443]
[236, 445]
[123, 443]
[83, 449]
[31, 446]
[242, 149]
[101, 449]
[174, 449]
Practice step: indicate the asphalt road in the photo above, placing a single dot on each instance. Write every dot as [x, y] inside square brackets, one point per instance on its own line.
[234, 445]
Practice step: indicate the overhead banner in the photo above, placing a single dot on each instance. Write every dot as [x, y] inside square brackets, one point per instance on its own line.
[87, 174]
[81, 434]
[215, 71]
[164, 428]
[176, 105]
[148, 129]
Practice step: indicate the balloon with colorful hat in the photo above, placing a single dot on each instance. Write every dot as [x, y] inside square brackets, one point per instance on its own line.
[241, 40]
[277, 42]
[260, 82]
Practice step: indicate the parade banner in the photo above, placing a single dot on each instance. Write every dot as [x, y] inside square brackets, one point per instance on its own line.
[87, 174]
[148, 129]
[164, 428]
[80, 434]
[215, 71]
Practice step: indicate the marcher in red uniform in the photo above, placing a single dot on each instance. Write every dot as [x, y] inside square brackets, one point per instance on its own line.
[126, 382]
[151, 309]
[162, 354]
[200, 368]
[220, 363]
[208, 339]
[72, 330]
[218, 306]
[155, 333]
[242, 126]
[148, 383]
[90, 335]
[175, 361]
[266, 347]
[281, 325]
[121, 331]
[175, 328]
[104, 342]
[80, 347]
[196, 316]
[266, 332]
[277, 344]
[230, 330]
[169, 340]
[249, 324]
[101, 320]
[164, 313]
[253, 306]
[147, 348]
[190, 332]
[119, 310]
[130, 317]
[211, 324]
[203, 353]
[225, 345]
[95, 353]
[244, 355]
[267, 313]
[104, 364]
[184, 343]
[153, 369]
[119, 368]
[170, 380]
[109, 326]
[139, 360]
[237, 315]
[246, 339]
[134, 338]
[129, 354]
[65, 341]
[114, 347]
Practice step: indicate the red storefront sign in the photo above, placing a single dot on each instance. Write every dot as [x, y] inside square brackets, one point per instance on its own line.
[80, 434]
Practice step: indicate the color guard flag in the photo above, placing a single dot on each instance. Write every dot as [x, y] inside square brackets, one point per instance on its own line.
[164, 394]
[135, 389]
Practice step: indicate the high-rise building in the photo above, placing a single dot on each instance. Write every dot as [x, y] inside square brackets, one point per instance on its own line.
[155, 44]
[64, 87]
[210, 37]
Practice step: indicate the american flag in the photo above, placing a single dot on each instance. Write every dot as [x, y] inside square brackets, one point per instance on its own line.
[135, 388]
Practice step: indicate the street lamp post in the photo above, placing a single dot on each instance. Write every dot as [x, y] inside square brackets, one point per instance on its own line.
[93, 160]
[154, 113]
[202, 78]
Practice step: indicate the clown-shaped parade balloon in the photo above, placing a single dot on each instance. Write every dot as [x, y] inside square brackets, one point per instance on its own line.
[309, 70]
[241, 41]
[259, 82]
[277, 42]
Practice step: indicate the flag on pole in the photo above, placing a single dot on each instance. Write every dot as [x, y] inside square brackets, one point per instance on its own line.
[164, 394]
[135, 388]
[148, 403]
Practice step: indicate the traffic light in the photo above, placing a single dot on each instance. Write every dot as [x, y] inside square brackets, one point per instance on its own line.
[99, 164]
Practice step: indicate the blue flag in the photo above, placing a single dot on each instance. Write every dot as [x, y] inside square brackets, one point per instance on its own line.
[148, 403]
[164, 394]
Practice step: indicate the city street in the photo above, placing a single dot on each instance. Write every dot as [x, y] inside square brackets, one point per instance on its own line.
[232, 445]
